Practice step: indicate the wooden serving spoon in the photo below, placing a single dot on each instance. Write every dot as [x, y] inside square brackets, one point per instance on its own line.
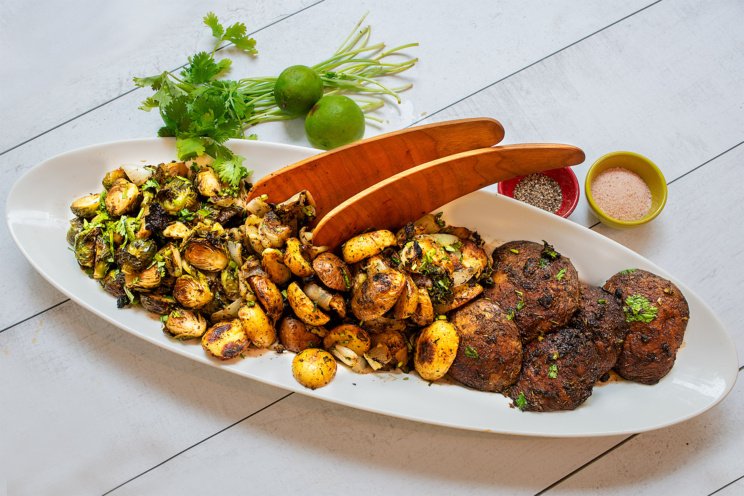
[408, 195]
[334, 176]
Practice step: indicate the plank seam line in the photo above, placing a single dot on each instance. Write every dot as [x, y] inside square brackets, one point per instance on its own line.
[582, 467]
[34, 315]
[137, 88]
[727, 485]
[537, 61]
[199, 442]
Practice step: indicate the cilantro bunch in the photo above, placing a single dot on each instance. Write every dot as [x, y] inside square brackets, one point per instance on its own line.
[202, 110]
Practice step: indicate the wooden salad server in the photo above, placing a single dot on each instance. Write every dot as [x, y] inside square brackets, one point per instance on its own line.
[336, 175]
[408, 195]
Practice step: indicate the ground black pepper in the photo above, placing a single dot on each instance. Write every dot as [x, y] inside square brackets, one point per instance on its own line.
[540, 191]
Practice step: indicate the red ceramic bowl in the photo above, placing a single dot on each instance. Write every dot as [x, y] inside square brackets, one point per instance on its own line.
[565, 178]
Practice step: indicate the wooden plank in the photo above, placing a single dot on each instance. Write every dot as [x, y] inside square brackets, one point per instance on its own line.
[79, 64]
[94, 405]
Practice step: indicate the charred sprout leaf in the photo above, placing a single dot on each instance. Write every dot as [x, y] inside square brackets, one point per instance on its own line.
[638, 309]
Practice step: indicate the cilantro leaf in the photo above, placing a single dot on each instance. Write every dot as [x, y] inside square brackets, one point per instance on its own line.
[471, 352]
[213, 23]
[230, 169]
[203, 68]
[638, 309]
[189, 148]
[553, 371]
[560, 275]
[521, 401]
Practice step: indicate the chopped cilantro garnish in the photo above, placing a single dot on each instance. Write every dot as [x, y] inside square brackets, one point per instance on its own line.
[627, 271]
[638, 309]
[471, 352]
[553, 371]
[601, 301]
[514, 250]
[521, 401]
[560, 275]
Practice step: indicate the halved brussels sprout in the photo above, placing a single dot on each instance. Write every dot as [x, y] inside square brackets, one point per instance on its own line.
[104, 258]
[111, 176]
[192, 292]
[137, 255]
[145, 280]
[208, 183]
[157, 303]
[205, 256]
[169, 170]
[185, 324]
[122, 197]
[76, 227]
[230, 283]
[85, 247]
[113, 283]
[86, 206]
[178, 194]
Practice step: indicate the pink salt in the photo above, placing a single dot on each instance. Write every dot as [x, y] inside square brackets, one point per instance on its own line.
[621, 194]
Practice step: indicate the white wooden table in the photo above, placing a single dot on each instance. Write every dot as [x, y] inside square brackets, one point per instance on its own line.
[88, 409]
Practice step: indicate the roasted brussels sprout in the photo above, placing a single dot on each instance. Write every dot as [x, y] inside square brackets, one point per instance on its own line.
[205, 256]
[111, 176]
[122, 198]
[145, 280]
[85, 247]
[207, 183]
[192, 292]
[185, 324]
[86, 207]
[113, 283]
[104, 258]
[157, 303]
[178, 194]
[76, 227]
[137, 255]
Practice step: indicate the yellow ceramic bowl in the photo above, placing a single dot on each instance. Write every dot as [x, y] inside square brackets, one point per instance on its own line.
[642, 166]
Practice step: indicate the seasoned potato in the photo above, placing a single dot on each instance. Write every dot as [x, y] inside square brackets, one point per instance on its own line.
[389, 350]
[332, 271]
[313, 368]
[295, 260]
[424, 314]
[257, 325]
[353, 337]
[367, 245]
[436, 349]
[460, 295]
[225, 340]
[268, 295]
[304, 307]
[376, 294]
[272, 262]
[407, 301]
[295, 335]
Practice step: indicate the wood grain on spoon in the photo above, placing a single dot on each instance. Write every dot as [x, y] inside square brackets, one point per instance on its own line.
[408, 195]
[334, 176]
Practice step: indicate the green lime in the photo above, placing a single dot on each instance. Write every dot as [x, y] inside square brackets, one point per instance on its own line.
[296, 89]
[334, 121]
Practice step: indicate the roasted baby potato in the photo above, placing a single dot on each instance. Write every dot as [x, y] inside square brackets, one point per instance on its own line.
[225, 340]
[367, 245]
[272, 261]
[408, 300]
[353, 337]
[295, 259]
[375, 294]
[295, 336]
[313, 368]
[268, 294]
[332, 271]
[257, 325]
[424, 314]
[436, 349]
[389, 350]
[304, 307]
[460, 295]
